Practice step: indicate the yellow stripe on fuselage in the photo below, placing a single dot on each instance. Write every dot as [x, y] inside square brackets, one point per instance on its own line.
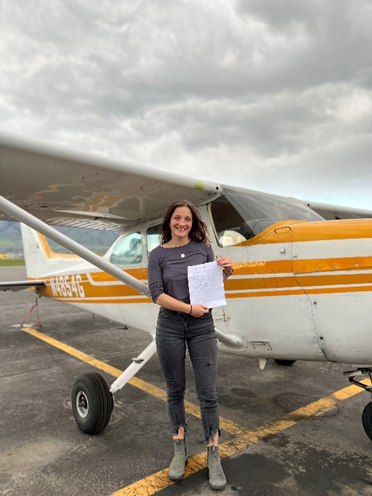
[235, 287]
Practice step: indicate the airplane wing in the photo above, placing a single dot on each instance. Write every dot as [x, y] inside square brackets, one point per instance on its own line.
[19, 285]
[332, 212]
[72, 189]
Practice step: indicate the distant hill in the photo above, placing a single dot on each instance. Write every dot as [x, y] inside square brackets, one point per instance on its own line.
[10, 238]
[97, 241]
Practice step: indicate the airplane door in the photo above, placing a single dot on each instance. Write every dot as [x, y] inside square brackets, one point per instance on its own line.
[302, 270]
[278, 313]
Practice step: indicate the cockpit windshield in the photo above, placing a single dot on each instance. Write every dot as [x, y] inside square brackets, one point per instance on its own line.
[240, 214]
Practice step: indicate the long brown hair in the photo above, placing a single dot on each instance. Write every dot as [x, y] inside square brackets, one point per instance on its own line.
[199, 230]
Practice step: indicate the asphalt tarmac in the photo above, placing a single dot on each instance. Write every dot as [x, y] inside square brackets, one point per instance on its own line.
[284, 431]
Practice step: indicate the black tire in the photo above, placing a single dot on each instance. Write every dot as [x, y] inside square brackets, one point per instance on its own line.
[367, 419]
[92, 403]
[286, 363]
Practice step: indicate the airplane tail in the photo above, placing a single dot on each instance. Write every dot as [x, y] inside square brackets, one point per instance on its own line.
[39, 258]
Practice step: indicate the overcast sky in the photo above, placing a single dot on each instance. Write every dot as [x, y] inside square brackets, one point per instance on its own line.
[273, 95]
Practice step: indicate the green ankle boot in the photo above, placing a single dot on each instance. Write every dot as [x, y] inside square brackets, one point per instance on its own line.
[177, 467]
[217, 479]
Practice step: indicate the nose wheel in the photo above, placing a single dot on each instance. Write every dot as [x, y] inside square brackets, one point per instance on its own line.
[92, 403]
[367, 419]
[367, 412]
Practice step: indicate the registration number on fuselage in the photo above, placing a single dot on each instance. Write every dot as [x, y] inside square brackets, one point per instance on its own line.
[67, 286]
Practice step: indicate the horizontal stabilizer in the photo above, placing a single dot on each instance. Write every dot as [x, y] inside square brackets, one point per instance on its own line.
[19, 285]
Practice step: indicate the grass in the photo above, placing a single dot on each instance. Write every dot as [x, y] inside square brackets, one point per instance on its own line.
[12, 263]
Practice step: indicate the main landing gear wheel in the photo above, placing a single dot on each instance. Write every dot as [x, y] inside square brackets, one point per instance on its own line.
[367, 419]
[92, 403]
[287, 363]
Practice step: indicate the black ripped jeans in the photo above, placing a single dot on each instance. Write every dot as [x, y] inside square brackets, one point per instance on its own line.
[174, 330]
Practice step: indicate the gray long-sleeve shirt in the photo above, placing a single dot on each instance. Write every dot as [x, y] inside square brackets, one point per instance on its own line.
[167, 269]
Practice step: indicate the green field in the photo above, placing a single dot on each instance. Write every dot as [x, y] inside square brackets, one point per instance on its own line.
[11, 263]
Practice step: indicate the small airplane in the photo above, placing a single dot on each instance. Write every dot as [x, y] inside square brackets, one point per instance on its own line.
[302, 282]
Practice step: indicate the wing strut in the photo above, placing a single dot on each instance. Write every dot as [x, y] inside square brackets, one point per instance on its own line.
[43, 228]
[134, 367]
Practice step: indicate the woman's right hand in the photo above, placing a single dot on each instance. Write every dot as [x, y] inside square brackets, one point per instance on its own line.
[199, 310]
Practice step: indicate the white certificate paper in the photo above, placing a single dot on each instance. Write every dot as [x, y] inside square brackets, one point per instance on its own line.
[206, 285]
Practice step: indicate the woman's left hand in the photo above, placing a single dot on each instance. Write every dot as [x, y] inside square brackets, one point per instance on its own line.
[226, 264]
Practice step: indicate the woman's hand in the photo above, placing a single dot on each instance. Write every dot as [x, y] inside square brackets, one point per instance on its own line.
[226, 264]
[199, 310]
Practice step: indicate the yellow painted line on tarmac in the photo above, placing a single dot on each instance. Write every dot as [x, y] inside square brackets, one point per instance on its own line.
[242, 439]
[156, 482]
[74, 352]
[190, 408]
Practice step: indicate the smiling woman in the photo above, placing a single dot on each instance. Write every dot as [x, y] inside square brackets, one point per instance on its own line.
[180, 324]
[180, 225]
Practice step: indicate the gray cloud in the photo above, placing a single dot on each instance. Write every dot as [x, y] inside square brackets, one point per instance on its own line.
[279, 91]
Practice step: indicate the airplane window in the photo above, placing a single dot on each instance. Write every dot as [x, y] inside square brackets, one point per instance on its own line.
[153, 237]
[227, 222]
[128, 250]
[241, 214]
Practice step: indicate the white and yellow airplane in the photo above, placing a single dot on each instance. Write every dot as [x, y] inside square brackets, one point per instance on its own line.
[301, 289]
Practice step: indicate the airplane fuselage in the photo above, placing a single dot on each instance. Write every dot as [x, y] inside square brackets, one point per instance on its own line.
[300, 290]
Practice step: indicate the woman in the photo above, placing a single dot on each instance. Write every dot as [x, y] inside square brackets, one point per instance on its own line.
[184, 242]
